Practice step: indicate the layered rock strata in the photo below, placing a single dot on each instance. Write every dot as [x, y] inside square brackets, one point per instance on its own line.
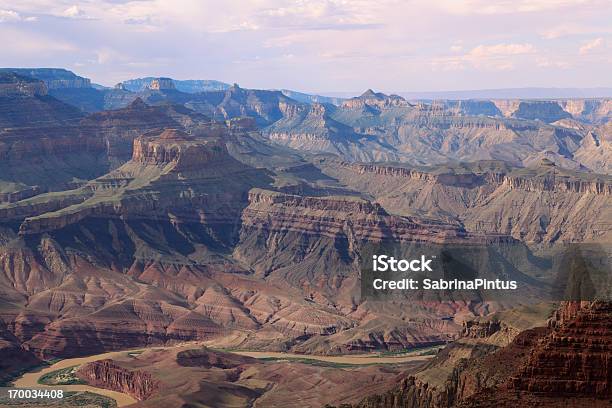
[108, 375]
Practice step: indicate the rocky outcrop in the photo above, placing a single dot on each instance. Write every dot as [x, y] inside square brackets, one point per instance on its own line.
[108, 375]
[589, 110]
[472, 107]
[175, 147]
[475, 329]
[54, 78]
[544, 366]
[376, 100]
[15, 359]
[14, 196]
[117, 129]
[491, 197]
[575, 359]
[339, 216]
[12, 85]
[547, 179]
[159, 84]
[546, 111]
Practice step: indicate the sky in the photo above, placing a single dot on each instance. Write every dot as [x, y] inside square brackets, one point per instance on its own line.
[319, 46]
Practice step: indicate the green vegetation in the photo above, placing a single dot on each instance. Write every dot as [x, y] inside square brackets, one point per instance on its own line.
[313, 362]
[63, 376]
[416, 351]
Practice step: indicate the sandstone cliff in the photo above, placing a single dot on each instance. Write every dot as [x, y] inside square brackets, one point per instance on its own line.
[106, 374]
[491, 197]
[568, 362]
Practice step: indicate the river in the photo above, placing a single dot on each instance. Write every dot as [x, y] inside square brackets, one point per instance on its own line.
[30, 380]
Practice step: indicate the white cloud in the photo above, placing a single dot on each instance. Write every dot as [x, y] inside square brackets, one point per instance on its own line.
[334, 44]
[74, 12]
[506, 6]
[574, 29]
[590, 46]
[9, 15]
[484, 51]
[13, 16]
[497, 57]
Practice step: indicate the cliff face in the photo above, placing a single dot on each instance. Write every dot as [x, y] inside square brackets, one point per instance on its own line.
[375, 100]
[54, 78]
[491, 197]
[542, 110]
[178, 149]
[118, 128]
[596, 111]
[568, 362]
[160, 160]
[576, 358]
[331, 217]
[158, 84]
[106, 374]
[12, 85]
[548, 180]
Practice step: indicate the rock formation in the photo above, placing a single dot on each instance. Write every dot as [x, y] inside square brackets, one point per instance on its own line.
[158, 84]
[568, 362]
[108, 375]
[490, 197]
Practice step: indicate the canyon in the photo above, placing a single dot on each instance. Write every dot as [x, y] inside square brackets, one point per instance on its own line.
[566, 361]
[206, 212]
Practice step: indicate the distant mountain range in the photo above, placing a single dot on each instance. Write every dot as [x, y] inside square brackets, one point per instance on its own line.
[152, 214]
[189, 85]
[512, 93]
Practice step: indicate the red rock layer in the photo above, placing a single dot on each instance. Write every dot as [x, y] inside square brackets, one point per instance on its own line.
[567, 364]
[576, 358]
[106, 374]
[333, 216]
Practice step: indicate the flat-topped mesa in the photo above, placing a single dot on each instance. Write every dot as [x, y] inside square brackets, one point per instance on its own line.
[375, 99]
[159, 84]
[545, 177]
[592, 110]
[12, 85]
[458, 180]
[545, 111]
[335, 216]
[53, 78]
[176, 147]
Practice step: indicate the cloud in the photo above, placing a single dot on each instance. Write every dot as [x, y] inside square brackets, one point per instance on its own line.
[506, 6]
[322, 44]
[574, 29]
[497, 57]
[484, 51]
[590, 46]
[335, 15]
[13, 16]
[74, 12]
